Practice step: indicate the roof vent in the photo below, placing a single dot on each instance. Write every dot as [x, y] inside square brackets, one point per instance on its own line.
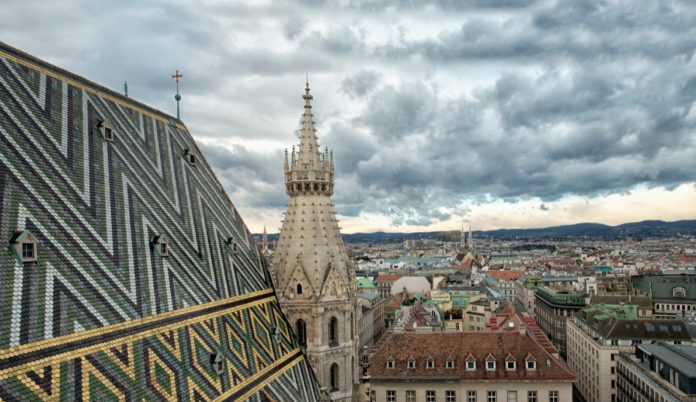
[189, 156]
[160, 245]
[106, 130]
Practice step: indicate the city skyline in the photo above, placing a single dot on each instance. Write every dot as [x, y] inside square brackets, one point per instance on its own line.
[534, 114]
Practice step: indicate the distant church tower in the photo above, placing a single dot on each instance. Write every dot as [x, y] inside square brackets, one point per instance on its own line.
[313, 275]
[470, 240]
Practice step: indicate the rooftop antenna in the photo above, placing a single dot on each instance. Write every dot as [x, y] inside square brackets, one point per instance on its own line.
[176, 76]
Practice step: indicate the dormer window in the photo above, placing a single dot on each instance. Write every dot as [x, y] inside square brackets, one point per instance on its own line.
[490, 365]
[390, 364]
[411, 363]
[232, 244]
[23, 245]
[430, 363]
[531, 365]
[160, 245]
[217, 363]
[679, 292]
[449, 364]
[189, 156]
[106, 130]
[471, 366]
[510, 363]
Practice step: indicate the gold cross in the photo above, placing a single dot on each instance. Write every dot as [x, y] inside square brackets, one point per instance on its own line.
[176, 76]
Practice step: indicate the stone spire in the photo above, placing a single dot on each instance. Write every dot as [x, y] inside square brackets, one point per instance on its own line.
[264, 240]
[310, 171]
[313, 275]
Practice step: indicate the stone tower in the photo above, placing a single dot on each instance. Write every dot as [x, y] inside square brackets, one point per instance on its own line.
[314, 277]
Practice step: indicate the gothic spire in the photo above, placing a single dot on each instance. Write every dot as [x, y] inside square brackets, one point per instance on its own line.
[309, 147]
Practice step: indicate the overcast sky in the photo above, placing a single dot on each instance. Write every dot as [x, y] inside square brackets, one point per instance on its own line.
[499, 113]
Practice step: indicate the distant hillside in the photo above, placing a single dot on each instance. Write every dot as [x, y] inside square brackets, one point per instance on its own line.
[590, 230]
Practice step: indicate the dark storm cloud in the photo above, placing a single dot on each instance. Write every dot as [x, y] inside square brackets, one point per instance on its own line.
[363, 82]
[579, 97]
[251, 178]
[584, 29]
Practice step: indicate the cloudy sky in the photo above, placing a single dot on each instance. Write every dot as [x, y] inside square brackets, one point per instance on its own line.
[498, 113]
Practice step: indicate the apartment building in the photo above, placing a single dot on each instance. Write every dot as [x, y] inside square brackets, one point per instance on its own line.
[598, 333]
[658, 372]
[467, 366]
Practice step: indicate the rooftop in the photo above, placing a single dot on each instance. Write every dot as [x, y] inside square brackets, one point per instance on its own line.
[680, 357]
[461, 347]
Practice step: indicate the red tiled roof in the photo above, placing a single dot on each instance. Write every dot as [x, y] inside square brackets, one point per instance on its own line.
[443, 345]
[505, 275]
[466, 264]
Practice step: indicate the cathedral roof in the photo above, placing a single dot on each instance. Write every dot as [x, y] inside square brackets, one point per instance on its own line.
[143, 260]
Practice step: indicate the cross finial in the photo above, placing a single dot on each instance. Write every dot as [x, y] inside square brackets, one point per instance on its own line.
[177, 97]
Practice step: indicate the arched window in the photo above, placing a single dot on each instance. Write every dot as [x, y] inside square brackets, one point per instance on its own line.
[352, 369]
[334, 377]
[301, 332]
[299, 288]
[333, 332]
[352, 331]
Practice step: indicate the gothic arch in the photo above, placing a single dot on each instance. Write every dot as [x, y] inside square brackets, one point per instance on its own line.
[333, 331]
[334, 377]
[301, 332]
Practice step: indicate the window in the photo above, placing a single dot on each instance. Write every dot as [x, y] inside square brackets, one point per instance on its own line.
[411, 363]
[217, 363]
[301, 332]
[531, 365]
[106, 130]
[492, 396]
[189, 156]
[334, 377]
[160, 245]
[679, 292]
[510, 365]
[471, 396]
[391, 396]
[532, 396]
[512, 396]
[449, 364]
[390, 364]
[553, 396]
[299, 288]
[411, 396]
[430, 364]
[471, 366]
[430, 396]
[450, 396]
[490, 365]
[333, 332]
[27, 251]
[24, 246]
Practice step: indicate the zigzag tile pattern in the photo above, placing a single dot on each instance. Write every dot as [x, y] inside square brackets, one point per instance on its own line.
[101, 315]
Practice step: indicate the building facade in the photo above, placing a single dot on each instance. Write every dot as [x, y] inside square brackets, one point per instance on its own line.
[552, 311]
[465, 366]
[672, 295]
[313, 274]
[657, 373]
[597, 334]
